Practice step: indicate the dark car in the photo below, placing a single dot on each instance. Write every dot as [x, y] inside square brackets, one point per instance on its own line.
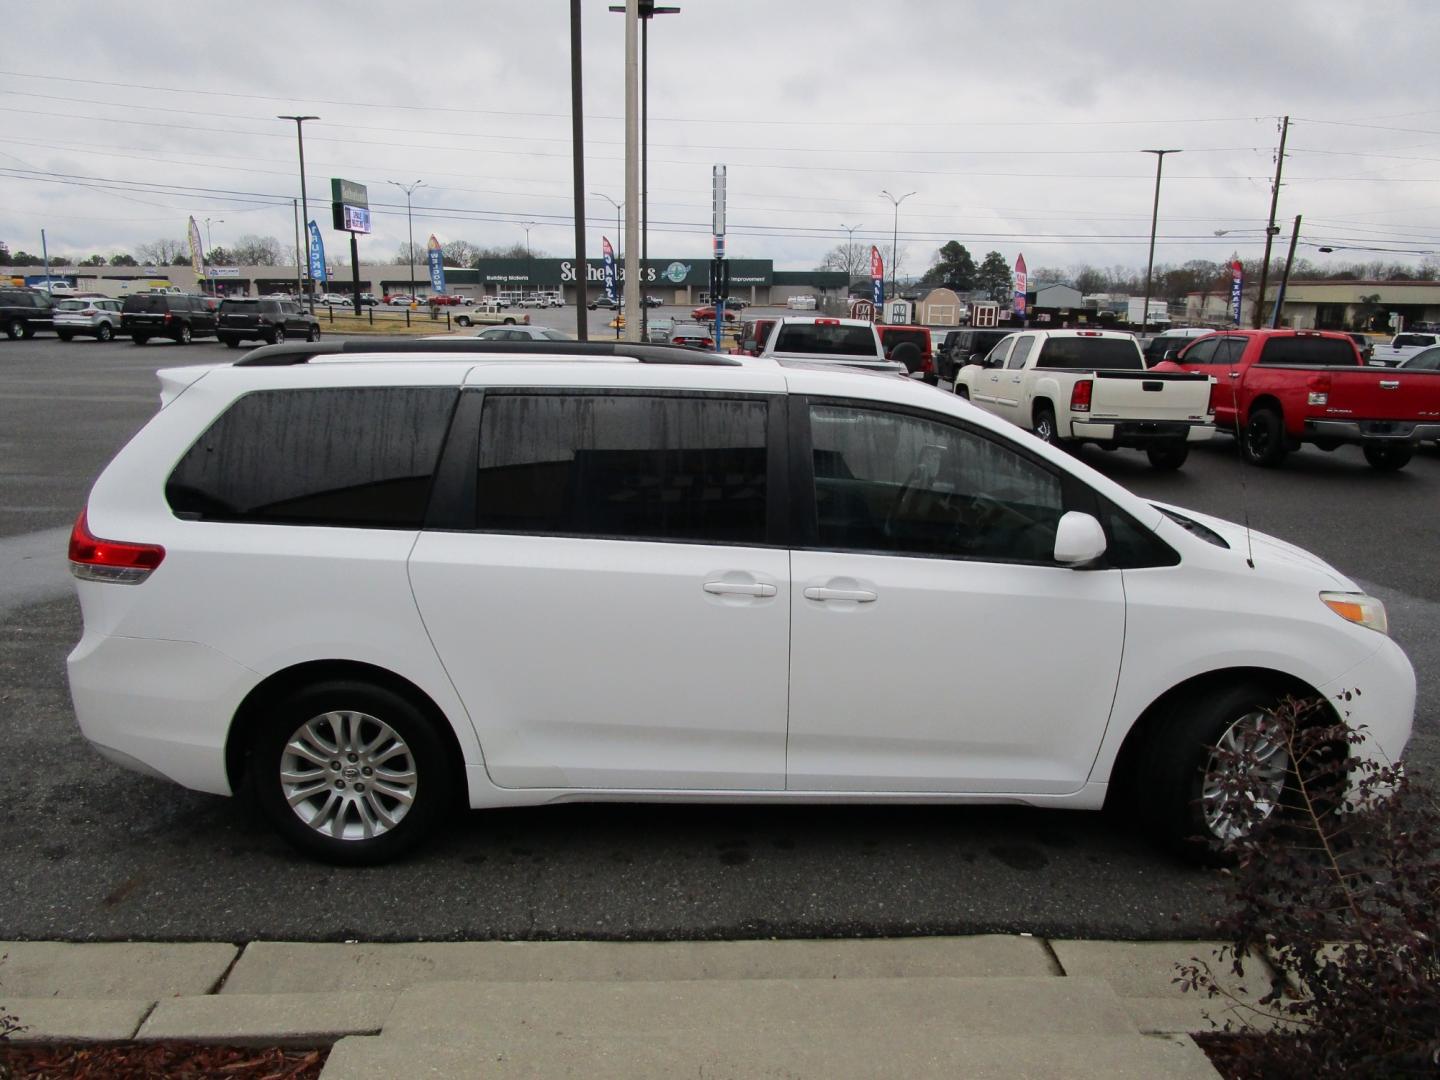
[265, 320]
[24, 311]
[963, 347]
[918, 357]
[602, 302]
[177, 316]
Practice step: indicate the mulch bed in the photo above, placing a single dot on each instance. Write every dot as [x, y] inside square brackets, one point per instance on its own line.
[170, 1060]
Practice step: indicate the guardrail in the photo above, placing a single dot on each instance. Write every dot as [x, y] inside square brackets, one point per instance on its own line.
[383, 314]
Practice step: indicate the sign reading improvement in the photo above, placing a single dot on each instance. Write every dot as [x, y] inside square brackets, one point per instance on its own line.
[350, 206]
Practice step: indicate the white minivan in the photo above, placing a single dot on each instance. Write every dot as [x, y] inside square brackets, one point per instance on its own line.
[373, 583]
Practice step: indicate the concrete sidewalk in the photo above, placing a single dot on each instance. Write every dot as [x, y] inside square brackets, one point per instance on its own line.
[978, 1006]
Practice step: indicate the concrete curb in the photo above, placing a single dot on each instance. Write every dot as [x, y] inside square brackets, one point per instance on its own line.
[1016, 998]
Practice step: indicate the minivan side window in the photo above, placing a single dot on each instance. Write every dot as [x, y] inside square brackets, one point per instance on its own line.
[347, 456]
[624, 466]
[896, 483]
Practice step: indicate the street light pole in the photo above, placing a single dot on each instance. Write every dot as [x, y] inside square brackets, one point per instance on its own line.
[304, 199]
[210, 239]
[850, 231]
[895, 236]
[409, 190]
[1154, 219]
[529, 258]
[618, 207]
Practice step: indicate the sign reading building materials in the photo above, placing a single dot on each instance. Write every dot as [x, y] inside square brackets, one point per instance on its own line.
[349, 206]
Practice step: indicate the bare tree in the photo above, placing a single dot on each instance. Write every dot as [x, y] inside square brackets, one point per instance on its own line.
[458, 253]
[252, 250]
[850, 258]
[409, 253]
[161, 252]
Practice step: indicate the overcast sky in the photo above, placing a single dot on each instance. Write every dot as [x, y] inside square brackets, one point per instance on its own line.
[1018, 126]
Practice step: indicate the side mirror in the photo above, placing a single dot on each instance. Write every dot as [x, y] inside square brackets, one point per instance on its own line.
[1079, 540]
[1170, 354]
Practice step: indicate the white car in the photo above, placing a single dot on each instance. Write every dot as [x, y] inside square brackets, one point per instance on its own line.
[523, 333]
[335, 300]
[91, 316]
[431, 581]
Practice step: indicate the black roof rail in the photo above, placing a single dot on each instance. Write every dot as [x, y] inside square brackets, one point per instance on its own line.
[302, 352]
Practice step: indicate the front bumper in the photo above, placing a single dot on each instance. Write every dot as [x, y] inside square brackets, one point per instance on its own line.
[1377, 699]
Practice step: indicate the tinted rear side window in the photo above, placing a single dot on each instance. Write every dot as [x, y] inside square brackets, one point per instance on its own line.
[822, 338]
[1309, 350]
[1101, 354]
[361, 457]
[240, 307]
[629, 466]
[147, 303]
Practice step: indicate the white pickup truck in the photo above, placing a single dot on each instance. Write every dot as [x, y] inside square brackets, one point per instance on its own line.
[488, 313]
[824, 340]
[1402, 347]
[1077, 386]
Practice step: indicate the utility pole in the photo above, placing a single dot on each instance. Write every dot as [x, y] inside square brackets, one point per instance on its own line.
[630, 294]
[1271, 229]
[1285, 280]
[209, 237]
[577, 159]
[296, 204]
[1154, 219]
[304, 199]
[529, 258]
[45, 257]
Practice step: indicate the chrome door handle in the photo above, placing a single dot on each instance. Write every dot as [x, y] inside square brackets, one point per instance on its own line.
[863, 596]
[1234, 374]
[737, 588]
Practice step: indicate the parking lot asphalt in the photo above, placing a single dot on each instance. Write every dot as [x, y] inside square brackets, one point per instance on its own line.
[96, 853]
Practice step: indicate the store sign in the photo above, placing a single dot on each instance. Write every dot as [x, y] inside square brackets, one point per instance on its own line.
[349, 206]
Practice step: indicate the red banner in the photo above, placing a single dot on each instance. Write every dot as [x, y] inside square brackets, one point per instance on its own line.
[1018, 306]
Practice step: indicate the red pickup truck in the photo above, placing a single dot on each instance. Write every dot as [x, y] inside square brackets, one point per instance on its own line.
[1277, 389]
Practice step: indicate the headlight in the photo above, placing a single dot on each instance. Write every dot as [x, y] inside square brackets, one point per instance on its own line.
[1357, 608]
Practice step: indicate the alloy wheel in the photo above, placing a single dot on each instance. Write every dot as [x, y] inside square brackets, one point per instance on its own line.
[1233, 804]
[348, 775]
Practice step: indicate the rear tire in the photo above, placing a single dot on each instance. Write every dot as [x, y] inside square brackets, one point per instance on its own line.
[15, 329]
[314, 334]
[277, 336]
[65, 335]
[317, 751]
[103, 332]
[1168, 458]
[232, 343]
[184, 338]
[962, 391]
[139, 339]
[463, 320]
[1388, 457]
[1263, 439]
[509, 322]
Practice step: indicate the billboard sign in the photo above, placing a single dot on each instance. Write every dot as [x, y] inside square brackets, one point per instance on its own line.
[1018, 307]
[349, 206]
[317, 254]
[1237, 287]
[436, 258]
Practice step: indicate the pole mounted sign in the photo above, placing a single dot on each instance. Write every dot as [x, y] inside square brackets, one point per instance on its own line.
[349, 206]
[1237, 288]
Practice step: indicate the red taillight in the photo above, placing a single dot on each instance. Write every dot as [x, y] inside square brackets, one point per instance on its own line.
[168, 316]
[1214, 394]
[90, 311]
[116, 561]
[827, 322]
[927, 365]
[1080, 396]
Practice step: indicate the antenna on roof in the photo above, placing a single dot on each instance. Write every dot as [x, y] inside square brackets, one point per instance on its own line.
[1240, 456]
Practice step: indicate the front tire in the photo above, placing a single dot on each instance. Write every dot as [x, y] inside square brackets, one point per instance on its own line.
[277, 336]
[185, 336]
[1388, 457]
[15, 329]
[231, 343]
[314, 334]
[463, 320]
[1263, 439]
[65, 335]
[139, 339]
[1183, 799]
[1168, 458]
[350, 772]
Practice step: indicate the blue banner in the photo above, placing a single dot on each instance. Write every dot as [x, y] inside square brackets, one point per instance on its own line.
[609, 268]
[436, 258]
[317, 254]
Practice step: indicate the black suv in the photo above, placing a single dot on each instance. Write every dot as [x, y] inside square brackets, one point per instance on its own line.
[265, 320]
[23, 311]
[963, 347]
[177, 316]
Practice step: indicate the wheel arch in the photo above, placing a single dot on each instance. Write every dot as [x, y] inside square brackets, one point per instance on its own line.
[1265, 401]
[1122, 784]
[285, 681]
[1042, 400]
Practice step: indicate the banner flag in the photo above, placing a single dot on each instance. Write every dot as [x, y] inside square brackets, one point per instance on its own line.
[609, 267]
[197, 249]
[1018, 307]
[1237, 287]
[317, 254]
[436, 258]
[877, 274]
